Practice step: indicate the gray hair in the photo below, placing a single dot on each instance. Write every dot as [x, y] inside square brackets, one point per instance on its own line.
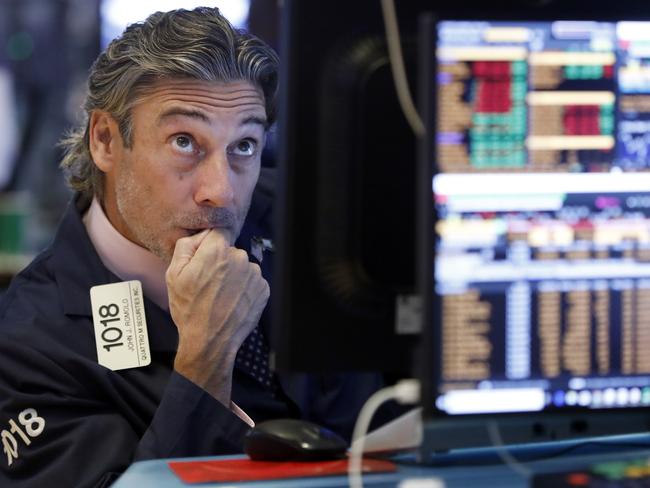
[197, 44]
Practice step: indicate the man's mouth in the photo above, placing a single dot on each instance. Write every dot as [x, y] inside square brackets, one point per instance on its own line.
[221, 219]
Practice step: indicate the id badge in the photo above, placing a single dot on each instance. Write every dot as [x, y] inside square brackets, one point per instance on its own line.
[120, 325]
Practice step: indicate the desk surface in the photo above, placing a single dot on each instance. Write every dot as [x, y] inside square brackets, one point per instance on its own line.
[458, 470]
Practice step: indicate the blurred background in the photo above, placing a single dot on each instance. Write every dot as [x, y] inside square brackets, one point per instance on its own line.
[46, 49]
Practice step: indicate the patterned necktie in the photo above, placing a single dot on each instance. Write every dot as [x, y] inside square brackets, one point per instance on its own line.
[253, 358]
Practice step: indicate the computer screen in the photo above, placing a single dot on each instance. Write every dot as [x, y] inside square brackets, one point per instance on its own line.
[541, 188]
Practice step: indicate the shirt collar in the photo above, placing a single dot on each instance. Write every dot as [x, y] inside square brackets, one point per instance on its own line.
[124, 258]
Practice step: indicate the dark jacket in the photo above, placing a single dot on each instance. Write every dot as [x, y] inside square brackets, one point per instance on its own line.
[67, 421]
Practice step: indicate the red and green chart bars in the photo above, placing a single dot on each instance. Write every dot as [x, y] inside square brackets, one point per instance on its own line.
[498, 132]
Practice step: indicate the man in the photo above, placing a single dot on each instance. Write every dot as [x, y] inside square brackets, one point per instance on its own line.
[164, 167]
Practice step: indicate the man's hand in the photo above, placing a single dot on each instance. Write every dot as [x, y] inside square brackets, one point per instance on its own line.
[216, 298]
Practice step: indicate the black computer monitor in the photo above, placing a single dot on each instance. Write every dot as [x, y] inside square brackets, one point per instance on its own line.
[539, 301]
[345, 259]
[531, 253]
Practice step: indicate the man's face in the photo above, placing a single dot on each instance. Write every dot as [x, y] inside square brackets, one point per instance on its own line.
[192, 165]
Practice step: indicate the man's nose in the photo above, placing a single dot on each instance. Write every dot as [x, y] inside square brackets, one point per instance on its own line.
[214, 186]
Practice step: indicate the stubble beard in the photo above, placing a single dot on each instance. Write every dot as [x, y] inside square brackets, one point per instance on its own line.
[134, 207]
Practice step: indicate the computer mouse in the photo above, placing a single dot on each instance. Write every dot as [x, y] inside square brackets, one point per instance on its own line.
[293, 440]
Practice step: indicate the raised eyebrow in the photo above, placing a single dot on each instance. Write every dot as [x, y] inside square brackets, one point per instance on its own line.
[197, 114]
[175, 111]
[256, 120]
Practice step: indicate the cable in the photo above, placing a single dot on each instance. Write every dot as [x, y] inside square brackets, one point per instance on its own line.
[405, 392]
[504, 454]
[398, 70]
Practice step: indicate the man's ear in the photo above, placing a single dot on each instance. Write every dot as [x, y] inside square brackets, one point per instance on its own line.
[105, 140]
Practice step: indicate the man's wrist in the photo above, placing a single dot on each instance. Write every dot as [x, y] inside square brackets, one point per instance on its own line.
[217, 381]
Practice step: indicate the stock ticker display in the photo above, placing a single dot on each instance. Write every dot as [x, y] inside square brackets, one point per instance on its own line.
[542, 193]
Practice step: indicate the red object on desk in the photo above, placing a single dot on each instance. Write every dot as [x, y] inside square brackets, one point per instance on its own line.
[247, 470]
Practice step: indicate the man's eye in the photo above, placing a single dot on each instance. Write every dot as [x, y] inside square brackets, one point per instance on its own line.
[245, 148]
[184, 144]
